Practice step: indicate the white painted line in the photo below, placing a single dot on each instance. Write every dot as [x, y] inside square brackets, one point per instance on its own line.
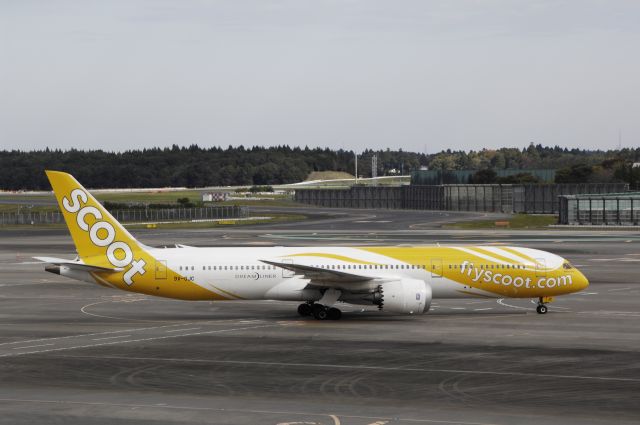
[372, 221]
[501, 302]
[621, 313]
[554, 307]
[482, 309]
[182, 330]
[220, 409]
[112, 317]
[31, 346]
[458, 308]
[116, 332]
[364, 367]
[133, 340]
[110, 337]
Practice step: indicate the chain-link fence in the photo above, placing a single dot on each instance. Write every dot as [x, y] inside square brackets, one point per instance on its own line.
[150, 215]
[507, 198]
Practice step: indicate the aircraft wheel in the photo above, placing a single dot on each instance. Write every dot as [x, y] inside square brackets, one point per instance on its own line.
[304, 309]
[541, 309]
[319, 311]
[334, 314]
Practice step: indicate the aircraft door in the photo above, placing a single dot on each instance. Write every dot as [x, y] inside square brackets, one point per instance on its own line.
[161, 269]
[436, 267]
[541, 267]
[285, 272]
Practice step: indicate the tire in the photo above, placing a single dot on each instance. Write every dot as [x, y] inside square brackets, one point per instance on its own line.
[334, 314]
[304, 309]
[319, 311]
[541, 309]
[320, 314]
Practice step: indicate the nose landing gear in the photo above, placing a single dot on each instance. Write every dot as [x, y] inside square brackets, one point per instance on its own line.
[542, 308]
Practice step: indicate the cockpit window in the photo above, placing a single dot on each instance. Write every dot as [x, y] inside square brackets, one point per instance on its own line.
[567, 266]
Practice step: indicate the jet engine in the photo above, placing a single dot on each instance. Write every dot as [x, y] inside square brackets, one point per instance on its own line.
[406, 296]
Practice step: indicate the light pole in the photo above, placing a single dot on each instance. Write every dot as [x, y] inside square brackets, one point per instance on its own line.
[356, 156]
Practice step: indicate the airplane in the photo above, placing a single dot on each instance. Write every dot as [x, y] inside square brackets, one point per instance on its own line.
[400, 280]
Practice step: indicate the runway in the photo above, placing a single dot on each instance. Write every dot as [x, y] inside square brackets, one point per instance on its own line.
[72, 352]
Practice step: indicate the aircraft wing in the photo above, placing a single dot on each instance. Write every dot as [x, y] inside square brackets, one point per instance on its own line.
[319, 275]
[77, 265]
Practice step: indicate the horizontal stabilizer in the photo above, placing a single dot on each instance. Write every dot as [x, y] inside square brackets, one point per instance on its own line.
[77, 265]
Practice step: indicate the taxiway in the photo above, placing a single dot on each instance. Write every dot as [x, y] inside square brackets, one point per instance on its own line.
[79, 353]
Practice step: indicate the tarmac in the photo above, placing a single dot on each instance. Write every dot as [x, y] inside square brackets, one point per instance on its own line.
[76, 353]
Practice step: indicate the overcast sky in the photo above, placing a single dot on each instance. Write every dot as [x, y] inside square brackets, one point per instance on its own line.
[417, 75]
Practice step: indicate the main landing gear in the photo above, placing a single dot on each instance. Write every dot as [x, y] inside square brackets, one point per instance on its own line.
[319, 311]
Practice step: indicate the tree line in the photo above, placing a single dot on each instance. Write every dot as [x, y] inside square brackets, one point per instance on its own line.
[195, 166]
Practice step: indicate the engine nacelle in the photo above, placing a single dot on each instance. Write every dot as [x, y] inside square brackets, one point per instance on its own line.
[408, 296]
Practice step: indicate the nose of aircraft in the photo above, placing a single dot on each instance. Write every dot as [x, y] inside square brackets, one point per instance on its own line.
[582, 281]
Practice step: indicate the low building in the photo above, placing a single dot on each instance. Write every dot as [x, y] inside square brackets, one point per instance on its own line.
[600, 209]
[215, 196]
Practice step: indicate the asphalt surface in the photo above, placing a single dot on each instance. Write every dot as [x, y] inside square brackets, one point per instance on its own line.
[77, 353]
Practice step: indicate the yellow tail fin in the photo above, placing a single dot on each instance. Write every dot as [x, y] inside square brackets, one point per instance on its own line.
[100, 240]
[110, 254]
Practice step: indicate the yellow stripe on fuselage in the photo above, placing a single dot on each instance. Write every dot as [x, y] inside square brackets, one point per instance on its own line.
[465, 266]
